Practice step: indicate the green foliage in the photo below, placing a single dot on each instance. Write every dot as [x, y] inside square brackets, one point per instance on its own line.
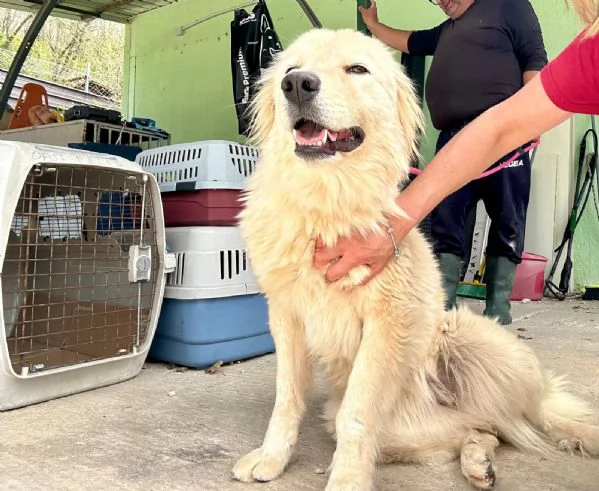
[66, 49]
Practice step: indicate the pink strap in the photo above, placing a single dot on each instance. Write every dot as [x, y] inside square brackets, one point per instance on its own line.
[517, 154]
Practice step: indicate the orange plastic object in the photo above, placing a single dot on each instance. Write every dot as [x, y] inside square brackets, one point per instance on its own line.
[31, 95]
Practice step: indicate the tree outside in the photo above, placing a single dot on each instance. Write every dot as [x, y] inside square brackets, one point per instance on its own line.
[82, 55]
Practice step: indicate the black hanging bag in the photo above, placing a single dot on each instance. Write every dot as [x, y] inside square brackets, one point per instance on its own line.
[254, 42]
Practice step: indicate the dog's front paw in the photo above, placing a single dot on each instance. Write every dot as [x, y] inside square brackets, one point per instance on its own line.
[350, 481]
[478, 467]
[259, 466]
[353, 278]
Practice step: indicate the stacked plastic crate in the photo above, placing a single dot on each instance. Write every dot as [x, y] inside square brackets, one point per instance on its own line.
[212, 309]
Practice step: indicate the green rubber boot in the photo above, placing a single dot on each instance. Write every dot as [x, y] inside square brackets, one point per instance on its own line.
[499, 278]
[451, 266]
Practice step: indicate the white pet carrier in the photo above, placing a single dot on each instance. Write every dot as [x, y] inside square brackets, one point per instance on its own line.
[211, 263]
[209, 164]
[83, 271]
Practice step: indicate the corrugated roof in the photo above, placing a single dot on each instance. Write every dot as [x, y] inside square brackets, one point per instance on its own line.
[116, 10]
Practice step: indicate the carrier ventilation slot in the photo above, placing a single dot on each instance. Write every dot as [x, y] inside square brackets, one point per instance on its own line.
[176, 277]
[173, 157]
[239, 156]
[232, 263]
[244, 166]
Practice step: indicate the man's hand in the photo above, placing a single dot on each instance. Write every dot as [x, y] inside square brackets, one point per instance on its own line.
[373, 250]
[370, 14]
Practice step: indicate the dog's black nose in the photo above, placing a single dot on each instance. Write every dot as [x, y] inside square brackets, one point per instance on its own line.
[300, 87]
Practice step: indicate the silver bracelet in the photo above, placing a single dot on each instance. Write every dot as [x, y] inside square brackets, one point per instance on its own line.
[396, 249]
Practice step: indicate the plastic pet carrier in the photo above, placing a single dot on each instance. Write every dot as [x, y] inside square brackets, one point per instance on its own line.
[210, 164]
[83, 271]
[212, 310]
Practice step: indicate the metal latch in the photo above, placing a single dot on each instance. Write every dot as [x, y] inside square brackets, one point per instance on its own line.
[170, 262]
[140, 263]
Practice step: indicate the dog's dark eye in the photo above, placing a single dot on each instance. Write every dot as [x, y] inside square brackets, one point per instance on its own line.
[356, 69]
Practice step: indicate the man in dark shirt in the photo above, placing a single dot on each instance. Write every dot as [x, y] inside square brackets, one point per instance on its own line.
[483, 53]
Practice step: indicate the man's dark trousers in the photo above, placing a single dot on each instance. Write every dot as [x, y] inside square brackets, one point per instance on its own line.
[505, 195]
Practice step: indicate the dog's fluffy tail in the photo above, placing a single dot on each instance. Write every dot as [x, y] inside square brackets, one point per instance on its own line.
[498, 380]
[559, 402]
[563, 416]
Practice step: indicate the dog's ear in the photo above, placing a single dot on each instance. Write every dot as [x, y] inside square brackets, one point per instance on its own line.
[262, 108]
[409, 111]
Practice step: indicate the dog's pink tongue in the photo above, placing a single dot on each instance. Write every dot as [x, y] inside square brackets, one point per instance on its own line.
[306, 137]
[311, 133]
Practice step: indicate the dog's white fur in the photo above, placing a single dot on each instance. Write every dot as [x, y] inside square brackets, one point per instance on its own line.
[409, 382]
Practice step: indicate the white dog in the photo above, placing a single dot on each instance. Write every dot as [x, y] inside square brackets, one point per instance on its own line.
[336, 120]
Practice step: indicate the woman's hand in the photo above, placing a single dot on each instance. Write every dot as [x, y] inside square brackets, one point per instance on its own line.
[373, 250]
[369, 15]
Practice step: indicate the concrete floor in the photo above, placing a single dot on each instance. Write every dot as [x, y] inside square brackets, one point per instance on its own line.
[172, 429]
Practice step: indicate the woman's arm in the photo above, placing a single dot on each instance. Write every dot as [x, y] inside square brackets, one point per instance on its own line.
[496, 132]
[519, 119]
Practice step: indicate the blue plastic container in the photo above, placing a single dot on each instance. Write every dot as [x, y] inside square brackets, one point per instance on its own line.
[118, 211]
[198, 333]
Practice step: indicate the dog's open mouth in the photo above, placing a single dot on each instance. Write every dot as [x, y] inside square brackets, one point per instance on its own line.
[315, 141]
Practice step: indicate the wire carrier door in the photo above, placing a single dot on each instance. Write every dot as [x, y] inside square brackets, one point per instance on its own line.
[80, 271]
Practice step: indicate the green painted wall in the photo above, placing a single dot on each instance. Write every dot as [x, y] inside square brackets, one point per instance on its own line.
[184, 82]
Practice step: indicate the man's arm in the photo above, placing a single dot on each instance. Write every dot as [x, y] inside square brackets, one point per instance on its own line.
[523, 25]
[395, 38]
[421, 43]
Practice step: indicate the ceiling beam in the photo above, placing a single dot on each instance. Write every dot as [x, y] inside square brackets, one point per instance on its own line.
[112, 6]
